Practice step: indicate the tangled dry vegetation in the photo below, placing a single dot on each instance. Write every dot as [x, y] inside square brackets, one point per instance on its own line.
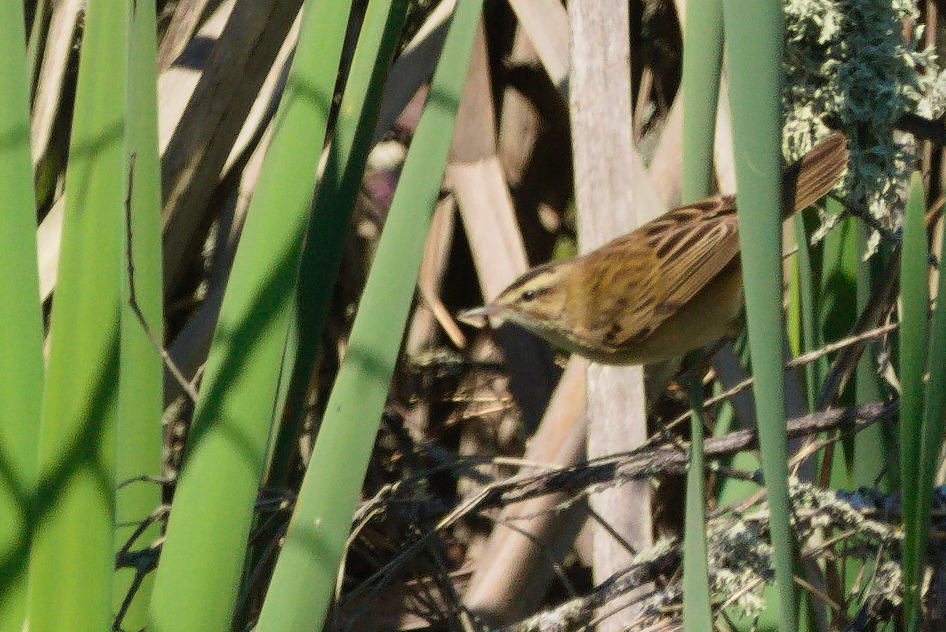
[475, 507]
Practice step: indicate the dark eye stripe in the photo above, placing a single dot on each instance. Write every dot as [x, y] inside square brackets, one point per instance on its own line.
[530, 275]
[530, 295]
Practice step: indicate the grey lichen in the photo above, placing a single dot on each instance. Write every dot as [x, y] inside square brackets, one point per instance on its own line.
[849, 66]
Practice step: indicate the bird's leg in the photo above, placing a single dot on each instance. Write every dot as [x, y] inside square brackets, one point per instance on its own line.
[696, 364]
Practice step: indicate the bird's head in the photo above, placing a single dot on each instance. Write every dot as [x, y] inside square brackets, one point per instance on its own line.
[537, 300]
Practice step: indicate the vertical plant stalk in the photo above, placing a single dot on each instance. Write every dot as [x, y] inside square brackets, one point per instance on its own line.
[73, 557]
[202, 560]
[305, 575]
[21, 326]
[837, 297]
[914, 299]
[931, 438]
[702, 64]
[873, 445]
[612, 196]
[138, 438]
[754, 35]
[335, 199]
[697, 607]
[809, 274]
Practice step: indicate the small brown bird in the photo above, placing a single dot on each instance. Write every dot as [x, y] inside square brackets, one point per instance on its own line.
[670, 286]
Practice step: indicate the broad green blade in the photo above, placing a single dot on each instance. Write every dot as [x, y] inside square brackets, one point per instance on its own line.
[73, 555]
[837, 300]
[702, 62]
[754, 36]
[914, 299]
[931, 436]
[139, 438]
[809, 336]
[304, 579]
[21, 326]
[202, 561]
[321, 258]
[873, 446]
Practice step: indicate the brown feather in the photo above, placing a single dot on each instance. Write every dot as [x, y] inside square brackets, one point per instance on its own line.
[682, 251]
[815, 174]
[670, 286]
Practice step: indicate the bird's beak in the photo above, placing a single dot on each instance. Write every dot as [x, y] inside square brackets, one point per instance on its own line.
[480, 316]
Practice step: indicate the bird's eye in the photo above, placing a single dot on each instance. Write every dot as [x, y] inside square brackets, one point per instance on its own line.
[528, 295]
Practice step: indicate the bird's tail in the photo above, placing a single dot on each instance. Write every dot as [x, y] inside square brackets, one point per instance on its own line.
[813, 177]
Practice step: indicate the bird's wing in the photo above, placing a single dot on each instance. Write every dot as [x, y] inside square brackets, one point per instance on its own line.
[690, 245]
[619, 298]
[667, 261]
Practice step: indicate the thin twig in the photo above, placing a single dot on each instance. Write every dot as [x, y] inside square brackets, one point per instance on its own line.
[643, 463]
[169, 363]
[157, 480]
[123, 558]
[661, 563]
[126, 602]
[804, 358]
[922, 127]
[143, 562]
